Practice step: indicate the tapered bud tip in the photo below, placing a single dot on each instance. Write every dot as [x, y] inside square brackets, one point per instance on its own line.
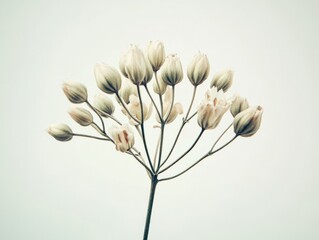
[172, 72]
[81, 116]
[198, 69]
[75, 92]
[247, 122]
[156, 54]
[238, 105]
[60, 132]
[108, 79]
[104, 105]
[222, 80]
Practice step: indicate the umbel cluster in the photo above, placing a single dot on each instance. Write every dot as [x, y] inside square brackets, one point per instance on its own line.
[153, 69]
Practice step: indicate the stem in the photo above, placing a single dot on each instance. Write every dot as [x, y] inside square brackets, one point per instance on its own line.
[149, 94]
[160, 96]
[150, 207]
[93, 108]
[89, 136]
[124, 106]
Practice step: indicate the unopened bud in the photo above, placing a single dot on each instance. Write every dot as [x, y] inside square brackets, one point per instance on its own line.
[127, 90]
[108, 79]
[222, 80]
[172, 72]
[198, 69]
[123, 137]
[75, 92]
[149, 72]
[247, 122]
[81, 116]
[60, 132]
[132, 65]
[156, 54]
[159, 86]
[104, 105]
[239, 104]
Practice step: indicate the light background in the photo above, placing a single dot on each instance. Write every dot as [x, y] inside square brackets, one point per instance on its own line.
[264, 187]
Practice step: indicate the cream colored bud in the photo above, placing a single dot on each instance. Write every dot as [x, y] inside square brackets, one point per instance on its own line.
[104, 105]
[247, 122]
[133, 66]
[75, 92]
[222, 80]
[198, 69]
[108, 79]
[81, 116]
[123, 137]
[172, 72]
[127, 90]
[134, 107]
[60, 132]
[159, 86]
[238, 105]
[156, 54]
[149, 72]
[212, 109]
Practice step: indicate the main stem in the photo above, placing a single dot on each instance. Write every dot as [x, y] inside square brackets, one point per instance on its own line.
[150, 206]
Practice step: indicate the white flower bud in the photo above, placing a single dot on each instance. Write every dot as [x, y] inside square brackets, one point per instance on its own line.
[159, 86]
[81, 116]
[247, 122]
[133, 66]
[75, 92]
[156, 54]
[172, 72]
[222, 80]
[108, 79]
[104, 105]
[134, 107]
[198, 69]
[238, 105]
[212, 109]
[60, 132]
[149, 72]
[127, 90]
[123, 137]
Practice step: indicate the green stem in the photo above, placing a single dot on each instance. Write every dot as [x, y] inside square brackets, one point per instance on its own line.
[150, 207]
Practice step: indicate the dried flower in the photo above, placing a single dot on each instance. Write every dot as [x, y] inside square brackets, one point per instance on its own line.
[133, 65]
[238, 105]
[104, 105]
[156, 54]
[222, 80]
[108, 79]
[172, 72]
[81, 116]
[247, 122]
[123, 137]
[198, 69]
[212, 109]
[60, 132]
[134, 107]
[75, 92]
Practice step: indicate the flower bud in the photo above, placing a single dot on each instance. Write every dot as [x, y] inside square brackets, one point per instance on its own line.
[60, 132]
[126, 91]
[238, 105]
[133, 66]
[159, 86]
[81, 116]
[149, 72]
[222, 80]
[134, 107]
[156, 54]
[247, 122]
[75, 92]
[108, 79]
[212, 109]
[123, 137]
[198, 69]
[172, 72]
[104, 105]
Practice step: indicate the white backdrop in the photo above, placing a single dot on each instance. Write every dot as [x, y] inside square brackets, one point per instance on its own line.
[264, 187]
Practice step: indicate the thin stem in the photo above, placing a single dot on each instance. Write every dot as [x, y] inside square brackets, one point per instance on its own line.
[221, 137]
[160, 96]
[185, 120]
[178, 159]
[201, 159]
[150, 207]
[124, 106]
[141, 162]
[142, 128]
[89, 136]
[97, 113]
[172, 104]
[161, 146]
[156, 151]
[149, 94]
